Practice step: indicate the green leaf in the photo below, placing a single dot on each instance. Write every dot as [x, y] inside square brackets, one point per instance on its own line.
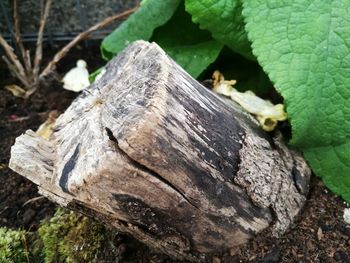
[195, 58]
[248, 73]
[192, 48]
[224, 19]
[140, 25]
[94, 74]
[303, 45]
[332, 164]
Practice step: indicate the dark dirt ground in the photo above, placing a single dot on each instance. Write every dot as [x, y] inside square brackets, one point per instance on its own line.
[320, 234]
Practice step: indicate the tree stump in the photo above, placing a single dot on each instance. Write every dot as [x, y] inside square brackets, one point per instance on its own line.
[150, 151]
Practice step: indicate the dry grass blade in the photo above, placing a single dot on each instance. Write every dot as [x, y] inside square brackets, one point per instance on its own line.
[39, 42]
[25, 245]
[60, 54]
[16, 90]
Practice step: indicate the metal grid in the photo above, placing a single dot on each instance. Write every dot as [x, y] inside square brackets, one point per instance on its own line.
[79, 12]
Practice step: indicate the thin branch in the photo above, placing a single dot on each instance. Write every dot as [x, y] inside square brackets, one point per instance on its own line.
[12, 58]
[28, 59]
[19, 41]
[39, 42]
[15, 72]
[60, 54]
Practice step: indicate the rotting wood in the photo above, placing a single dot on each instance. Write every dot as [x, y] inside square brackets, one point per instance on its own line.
[150, 151]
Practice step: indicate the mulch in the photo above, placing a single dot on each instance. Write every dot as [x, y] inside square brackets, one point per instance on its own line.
[319, 235]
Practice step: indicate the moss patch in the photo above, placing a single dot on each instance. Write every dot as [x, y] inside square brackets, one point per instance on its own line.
[69, 237]
[13, 246]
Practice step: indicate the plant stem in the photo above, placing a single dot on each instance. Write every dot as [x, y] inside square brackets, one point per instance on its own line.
[12, 57]
[18, 38]
[39, 42]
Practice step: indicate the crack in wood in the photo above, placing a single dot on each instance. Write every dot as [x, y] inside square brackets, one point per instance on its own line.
[145, 168]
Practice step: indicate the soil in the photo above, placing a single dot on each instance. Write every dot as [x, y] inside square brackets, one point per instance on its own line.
[319, 235]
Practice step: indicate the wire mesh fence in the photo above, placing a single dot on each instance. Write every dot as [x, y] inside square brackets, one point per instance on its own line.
[67, 18]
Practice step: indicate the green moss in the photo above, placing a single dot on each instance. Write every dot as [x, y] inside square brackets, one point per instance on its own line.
[52, 232]
[12, 246]
[69, 237]
[83, 242]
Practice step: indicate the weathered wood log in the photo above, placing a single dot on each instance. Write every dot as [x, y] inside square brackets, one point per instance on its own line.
[150, 151]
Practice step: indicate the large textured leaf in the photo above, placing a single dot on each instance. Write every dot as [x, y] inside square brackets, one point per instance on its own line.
[303, 45]
[224, 19]
[140, 25]
[194, 49]
[332, 164]
[195, 58]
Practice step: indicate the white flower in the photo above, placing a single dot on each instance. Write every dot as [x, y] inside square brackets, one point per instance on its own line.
[346, 215]
[77, 78]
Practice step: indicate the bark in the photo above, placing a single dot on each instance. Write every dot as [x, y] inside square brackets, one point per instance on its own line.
[150, 151]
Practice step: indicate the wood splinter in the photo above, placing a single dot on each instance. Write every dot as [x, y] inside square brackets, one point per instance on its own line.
[150, 151]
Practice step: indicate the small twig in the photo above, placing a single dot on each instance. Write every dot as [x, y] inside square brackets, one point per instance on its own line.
[20, 119]
[31, 91]
[12, 57]
[33, 200]
[28, 59]
[15, 71]
[83, 35]
[39, 42]
[19, 41]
